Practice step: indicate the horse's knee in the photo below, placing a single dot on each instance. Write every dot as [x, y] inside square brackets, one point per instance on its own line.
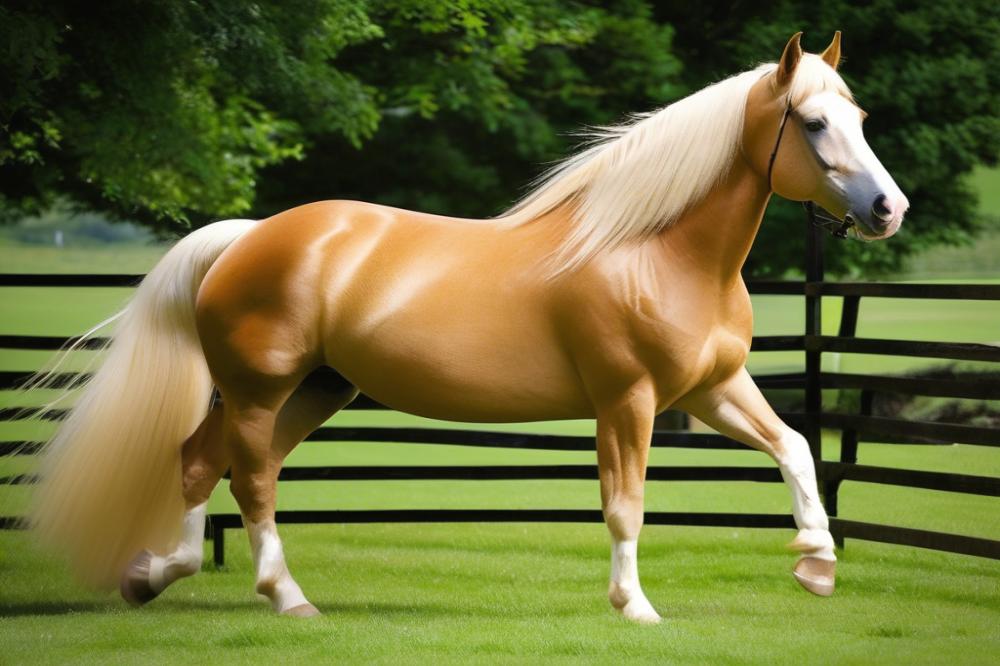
[623, 516]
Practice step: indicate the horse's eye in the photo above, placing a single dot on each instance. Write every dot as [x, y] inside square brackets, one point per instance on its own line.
[815, 125]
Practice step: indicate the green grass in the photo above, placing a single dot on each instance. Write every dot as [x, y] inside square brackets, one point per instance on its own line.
[986, 182]
[981, 257]
[979, 260]
[523, 593]
[111, 258]
[516, 592]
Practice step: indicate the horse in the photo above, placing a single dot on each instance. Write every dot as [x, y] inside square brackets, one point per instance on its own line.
[612, 291]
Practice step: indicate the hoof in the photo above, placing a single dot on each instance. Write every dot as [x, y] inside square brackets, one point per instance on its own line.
[816, 575]
[134, 586]
[640, 611]
[302, 610]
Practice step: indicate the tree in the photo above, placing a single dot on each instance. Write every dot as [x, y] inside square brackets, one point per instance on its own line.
[174, 113]
[167, 112]
[472, 109]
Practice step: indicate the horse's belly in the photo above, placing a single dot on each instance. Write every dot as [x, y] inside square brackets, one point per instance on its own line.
[462, 354]
[449, 378]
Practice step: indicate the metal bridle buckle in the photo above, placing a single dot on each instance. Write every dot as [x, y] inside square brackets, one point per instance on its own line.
[824, 220]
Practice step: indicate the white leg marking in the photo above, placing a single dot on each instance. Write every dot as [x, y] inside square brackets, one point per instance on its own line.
[797, 469]
[624, 590]
[186, 559]
[273, 579]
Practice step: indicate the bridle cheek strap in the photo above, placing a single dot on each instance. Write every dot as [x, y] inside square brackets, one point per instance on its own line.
[777, 142]
[836, 227]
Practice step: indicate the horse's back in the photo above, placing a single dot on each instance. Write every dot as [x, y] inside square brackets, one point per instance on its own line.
[438, 316]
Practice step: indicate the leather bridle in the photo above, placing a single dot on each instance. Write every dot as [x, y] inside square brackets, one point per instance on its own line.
[777, 142]
[823, 219]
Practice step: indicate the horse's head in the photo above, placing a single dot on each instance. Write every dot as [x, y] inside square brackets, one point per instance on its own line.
[803, 130]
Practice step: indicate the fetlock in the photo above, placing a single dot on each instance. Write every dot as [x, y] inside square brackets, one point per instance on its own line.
[134, 586]
[619, 594]
[816, 543]
[185, 562]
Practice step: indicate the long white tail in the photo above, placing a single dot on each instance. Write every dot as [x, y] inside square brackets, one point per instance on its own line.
[111, 476]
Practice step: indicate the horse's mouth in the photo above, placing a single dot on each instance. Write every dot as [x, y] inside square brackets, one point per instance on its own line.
[865, 232]
[861, 230]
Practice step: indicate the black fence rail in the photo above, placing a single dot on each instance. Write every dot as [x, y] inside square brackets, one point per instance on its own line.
[863, 426]
[858, 427]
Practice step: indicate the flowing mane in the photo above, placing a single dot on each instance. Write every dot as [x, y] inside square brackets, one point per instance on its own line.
[636, 178]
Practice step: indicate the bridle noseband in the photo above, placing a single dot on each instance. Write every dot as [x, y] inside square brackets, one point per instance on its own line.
[823, 220]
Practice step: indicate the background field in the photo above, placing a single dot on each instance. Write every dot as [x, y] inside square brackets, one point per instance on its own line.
[523, 592]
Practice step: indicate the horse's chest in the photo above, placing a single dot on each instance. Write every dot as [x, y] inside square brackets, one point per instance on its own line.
[694, 343]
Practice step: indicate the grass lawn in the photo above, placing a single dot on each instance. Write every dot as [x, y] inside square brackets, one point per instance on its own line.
[455, 593]
[517, 592]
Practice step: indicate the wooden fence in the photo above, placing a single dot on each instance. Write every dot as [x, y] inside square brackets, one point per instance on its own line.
[855, 427]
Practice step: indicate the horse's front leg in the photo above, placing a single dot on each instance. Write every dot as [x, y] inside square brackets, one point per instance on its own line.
[624, 429]
[737, 409]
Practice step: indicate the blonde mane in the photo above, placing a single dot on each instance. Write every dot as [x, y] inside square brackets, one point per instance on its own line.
[634, 179]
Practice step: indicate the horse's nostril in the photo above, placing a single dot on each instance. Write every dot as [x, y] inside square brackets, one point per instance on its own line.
[881, 208]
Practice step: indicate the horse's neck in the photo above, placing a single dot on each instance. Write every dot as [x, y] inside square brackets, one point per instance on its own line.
[714, 237]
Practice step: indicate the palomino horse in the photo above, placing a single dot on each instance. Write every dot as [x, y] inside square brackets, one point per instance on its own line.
[613, 291]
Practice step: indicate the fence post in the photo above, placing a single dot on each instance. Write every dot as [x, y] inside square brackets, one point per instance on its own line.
[217, 533]
[849, 437]
[814, 328]
[849, 455]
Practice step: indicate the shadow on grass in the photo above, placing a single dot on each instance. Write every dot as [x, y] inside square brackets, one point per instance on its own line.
[377, 608]
[332, 608]
[53, 608]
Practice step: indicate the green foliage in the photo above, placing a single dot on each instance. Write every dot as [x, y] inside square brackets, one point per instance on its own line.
[173, 113]
[166, 110]
[477, 96]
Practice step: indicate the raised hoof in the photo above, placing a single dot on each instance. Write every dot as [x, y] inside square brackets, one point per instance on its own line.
[134, 586]
[302, 610]
[816, 575]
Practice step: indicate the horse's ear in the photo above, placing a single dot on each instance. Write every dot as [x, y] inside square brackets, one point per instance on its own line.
[831, 55]
[789, 60]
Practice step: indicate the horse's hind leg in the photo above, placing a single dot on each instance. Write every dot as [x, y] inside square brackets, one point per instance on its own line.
[204, 462]
[737, 409]
[257, 460]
